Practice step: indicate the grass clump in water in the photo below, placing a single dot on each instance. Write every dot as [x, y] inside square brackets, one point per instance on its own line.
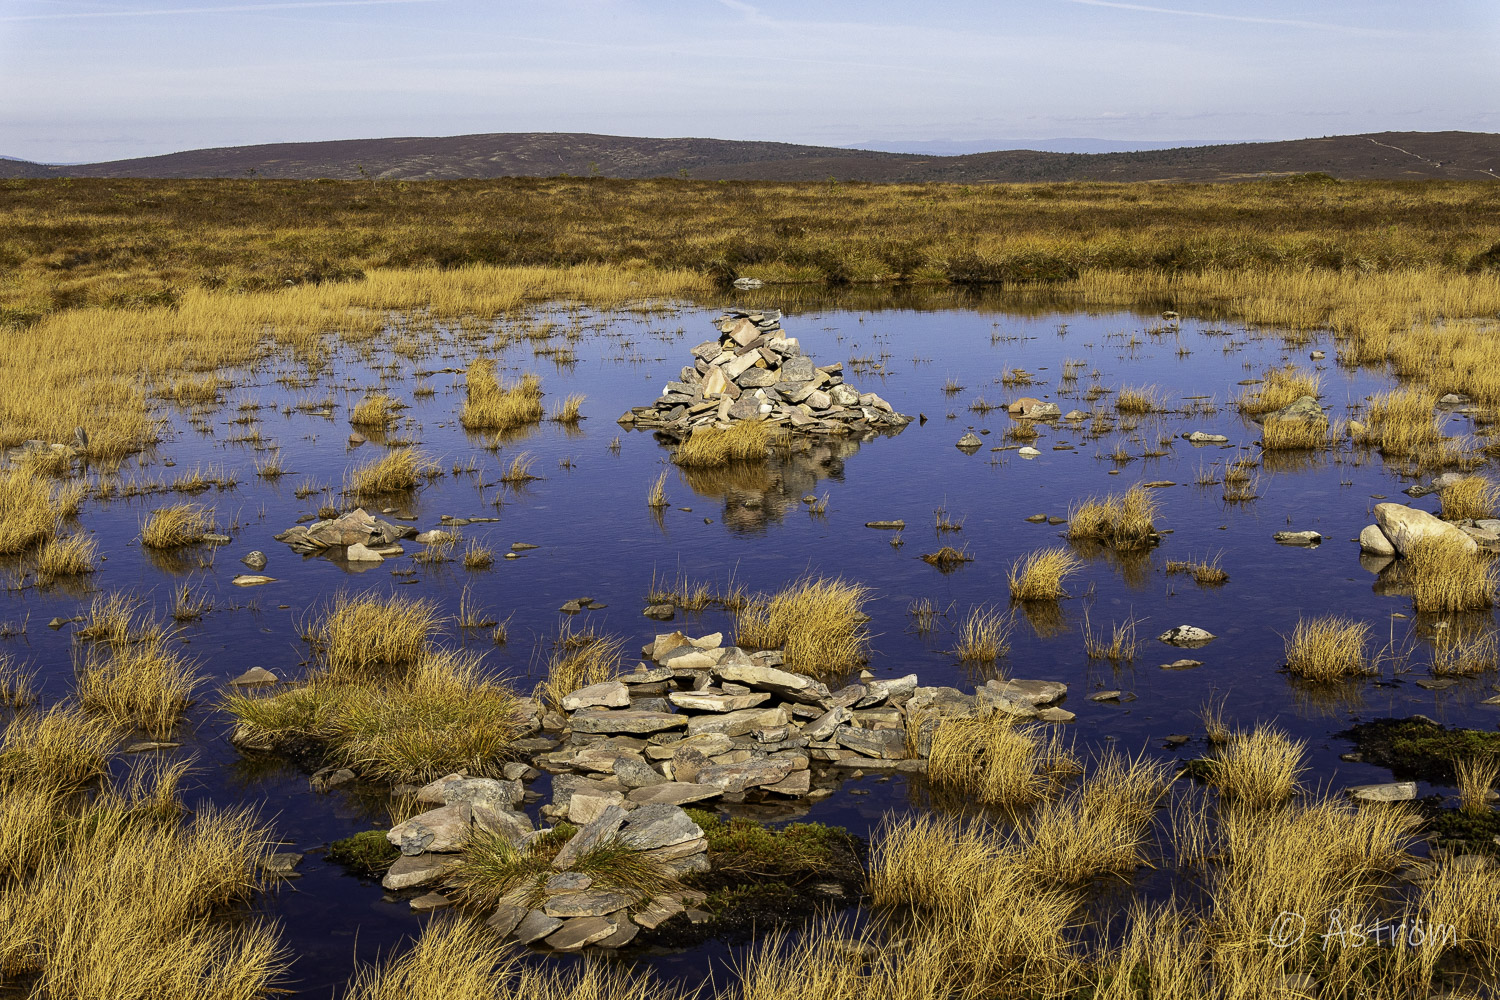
[1446, 575]
[1470, 498]
[177, 525]
[1328, 648]
[29, 510]
[1122, 521]
[1280, 388]
[146, 685]
[578, 659]
[1459, 652]
[377, 410]
[71, 556]
[1259, 768]
[998, 761]
[491, 405]
[399, 471]
[1040, 575]
[984, 636]
[366, 635]
[818, 622]
[1205, 572]
[743, 441]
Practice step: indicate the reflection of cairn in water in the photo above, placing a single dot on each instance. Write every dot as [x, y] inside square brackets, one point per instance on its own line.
[756, 493]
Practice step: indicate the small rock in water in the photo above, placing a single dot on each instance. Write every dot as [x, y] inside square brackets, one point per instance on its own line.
[969, 441]
[255, 676]
[1105, 696]
[252, 580]
[1394, 791]
[255, 560]
[1186, 635]
[661, 612]
[1028, 452]
[522, 546]
[1182, 665]
[356, 439]
[1201, 437]
[886, 525]
[1310, 539]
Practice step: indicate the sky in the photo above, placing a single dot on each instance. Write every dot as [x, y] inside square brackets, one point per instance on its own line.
[85, 80]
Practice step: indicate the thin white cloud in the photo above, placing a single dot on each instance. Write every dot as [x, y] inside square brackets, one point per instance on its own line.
[242, 8]
[1286, 22]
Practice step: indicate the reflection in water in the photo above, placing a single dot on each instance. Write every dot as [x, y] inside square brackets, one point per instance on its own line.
[1133, 565]
[758, 493]
[1046, 618]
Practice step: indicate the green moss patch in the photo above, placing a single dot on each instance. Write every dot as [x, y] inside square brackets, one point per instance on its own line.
[365, 853]
[1417, 749]
[1458, 831]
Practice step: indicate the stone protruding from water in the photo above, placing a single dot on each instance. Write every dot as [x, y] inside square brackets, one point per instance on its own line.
[752, 370]
[363, 533]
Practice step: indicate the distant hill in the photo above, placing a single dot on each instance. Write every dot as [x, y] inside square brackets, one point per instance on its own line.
[1377, 156]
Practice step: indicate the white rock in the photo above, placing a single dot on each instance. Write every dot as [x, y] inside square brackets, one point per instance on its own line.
[1406, 526]
[1373, 541]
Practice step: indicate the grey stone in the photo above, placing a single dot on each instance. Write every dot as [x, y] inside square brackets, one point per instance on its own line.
[601, 829]
[658, 825]
[637, 774]
[1373, 541]
[1393, 791]
[661, 612]
[708, 744]
[737, 723]
[624, 933]
[431, 901]
[690, 658]
[625, 721]
[567, 882]
[489, 792]
[879, 691]
[409, 872]
[1407, 526]
[969, 441]
[584, 809]
[1186, 635]
[752, 773]
[581, 931]
[255, 677]
[438, 830]
[1200, 437]
[588, 903]
[607, 694]
[535, 926]
[1305, 538]
[790, 685]
[940, 703]
[824, 725]
[514, 826]
[796, 784]
[1019, 697]
[674, 793]
[717, 702]
[886, 744]
[359, 552]
[256, 560]
[505, 919]
[658, 911]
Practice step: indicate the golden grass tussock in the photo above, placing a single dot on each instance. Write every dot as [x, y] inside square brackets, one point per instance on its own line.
[1328, 648]
[17, 684]
[1471, 497]
[1040, 575]
[460, 959]
[743, 441]
[1205, 572]
[478, 556]
[999, 761]
[71, 556]
[494, 868]
[1401, 422]
[398, 471]
[442, 715]
[819, 623]
[361, 636]
[1123, 521]
[1445, 575]
[118, 619]
[1259, 768]
[1138, 399]
[1477, 776]
[1118, 645]
[145, 685]
[63, 749]
[1297, 434]
[656, 498]
[177, 525]
[1278, 389]
[569, 410]
[984, 636]
[577, 660]
[29, 510]
[491, 405]
[1465, 652]
[375, 410]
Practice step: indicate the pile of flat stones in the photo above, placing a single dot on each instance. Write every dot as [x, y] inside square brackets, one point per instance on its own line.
[700, 722]
[358, 536]
[752, 370]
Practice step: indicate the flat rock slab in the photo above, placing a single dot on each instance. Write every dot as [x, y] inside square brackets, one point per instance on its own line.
[623, 935]
[408, 872]
[658, 911]
[1406, 526]
[672, 793]
[885, 744]
[608, 694]
[605, 826]
[431, 901]
[736, 723]
[794, 686]
[1394, 791]
[588, 903]
[439, 830]
[660, 825]
[1304, 538]
[506, 918]
[535, 926]
[752, 773]
[600, 720]
[696, 702]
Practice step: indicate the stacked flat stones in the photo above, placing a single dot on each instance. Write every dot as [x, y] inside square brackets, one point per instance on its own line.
[700, 723]
[361, 536]
[752, 370]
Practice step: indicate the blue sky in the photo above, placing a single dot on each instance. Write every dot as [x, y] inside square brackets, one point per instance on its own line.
[106, 79]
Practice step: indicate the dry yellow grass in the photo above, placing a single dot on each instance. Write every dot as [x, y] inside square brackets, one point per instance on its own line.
[146, 685]
[1461, 652]
[999, 761]
[1205, 572]
[1279, 388]
[568, 411]
[494, 406]
[17, 684]
[1476, 779]
[1296, 434]
[71, 556]
[117, 618]
[1260, 768]
[29, 510]
[656, 499]
[177, 525]
[818, 622]
[1472, 497]
[62, 749]
[1119, 645]
[744, 441]
[1138, 400]
[363, 636]
[1123, 521]
[397, 471]
[376, 410]
[1040, 575]
[478, 556]
[578, 659]
[984, 636]
[1328, 648]
[1445, 576]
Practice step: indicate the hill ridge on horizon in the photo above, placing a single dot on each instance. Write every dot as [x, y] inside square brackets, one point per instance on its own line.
[1449, 155]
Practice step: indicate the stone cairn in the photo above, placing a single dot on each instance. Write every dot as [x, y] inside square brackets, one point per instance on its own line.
[704, 723]
[362, 536]
[753, 370]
